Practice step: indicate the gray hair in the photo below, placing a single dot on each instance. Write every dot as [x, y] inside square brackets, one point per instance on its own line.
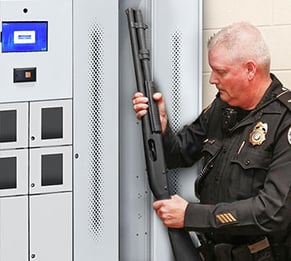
[244, 41]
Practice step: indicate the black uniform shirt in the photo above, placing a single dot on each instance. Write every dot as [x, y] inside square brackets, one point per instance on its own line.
[246, 191]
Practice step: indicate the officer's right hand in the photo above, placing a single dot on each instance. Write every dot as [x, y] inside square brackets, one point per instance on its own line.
[140, 106]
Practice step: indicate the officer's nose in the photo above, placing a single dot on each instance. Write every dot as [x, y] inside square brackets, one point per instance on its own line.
[213, 79]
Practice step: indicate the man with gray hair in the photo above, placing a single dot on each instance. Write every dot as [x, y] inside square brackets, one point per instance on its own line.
[244, 141]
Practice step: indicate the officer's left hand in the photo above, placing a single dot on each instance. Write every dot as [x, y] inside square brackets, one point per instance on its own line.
[171, 211]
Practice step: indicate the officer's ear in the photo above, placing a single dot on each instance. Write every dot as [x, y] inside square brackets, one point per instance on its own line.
[251, 67]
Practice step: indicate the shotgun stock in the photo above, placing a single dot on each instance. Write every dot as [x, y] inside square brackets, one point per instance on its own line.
[181, 242]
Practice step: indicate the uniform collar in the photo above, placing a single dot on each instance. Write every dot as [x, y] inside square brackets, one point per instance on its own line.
[273, 90]
[266, 105]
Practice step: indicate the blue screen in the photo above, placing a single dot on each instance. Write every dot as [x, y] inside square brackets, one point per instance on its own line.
[24, 37]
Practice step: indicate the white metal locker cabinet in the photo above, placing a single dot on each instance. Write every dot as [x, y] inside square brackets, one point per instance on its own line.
[174, 37]
[96, 191]
[36, 68]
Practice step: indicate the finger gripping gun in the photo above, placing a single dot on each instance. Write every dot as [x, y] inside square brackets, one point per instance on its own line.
[181, 243]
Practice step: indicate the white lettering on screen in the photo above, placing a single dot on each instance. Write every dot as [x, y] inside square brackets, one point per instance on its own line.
[24, 37]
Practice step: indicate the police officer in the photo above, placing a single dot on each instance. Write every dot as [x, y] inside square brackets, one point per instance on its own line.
[244, 141]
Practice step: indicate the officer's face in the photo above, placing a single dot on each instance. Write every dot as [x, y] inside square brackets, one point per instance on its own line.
[229, 77]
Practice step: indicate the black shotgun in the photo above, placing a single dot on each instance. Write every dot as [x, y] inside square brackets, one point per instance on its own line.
[181, 242]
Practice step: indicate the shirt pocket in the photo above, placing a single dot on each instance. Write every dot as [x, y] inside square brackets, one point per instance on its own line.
[253, 159]
[249, 171]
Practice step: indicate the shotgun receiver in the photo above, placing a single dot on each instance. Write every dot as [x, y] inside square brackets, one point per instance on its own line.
[181, 242]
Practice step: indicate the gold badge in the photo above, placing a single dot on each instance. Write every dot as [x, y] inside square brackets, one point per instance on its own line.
[258, 134]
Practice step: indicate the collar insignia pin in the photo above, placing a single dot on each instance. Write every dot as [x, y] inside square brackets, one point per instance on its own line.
[289, 136]
[258, 134]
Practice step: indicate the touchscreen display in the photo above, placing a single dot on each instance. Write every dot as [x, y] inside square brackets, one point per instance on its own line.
[24, 37]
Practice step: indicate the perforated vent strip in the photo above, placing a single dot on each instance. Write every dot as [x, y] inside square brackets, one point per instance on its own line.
[175, 113]
[96, 130]
[176, 81]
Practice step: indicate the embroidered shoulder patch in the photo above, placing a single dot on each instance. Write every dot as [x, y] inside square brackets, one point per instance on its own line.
[289, 136]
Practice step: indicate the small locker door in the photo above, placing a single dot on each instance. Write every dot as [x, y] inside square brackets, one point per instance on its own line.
[13, 172]
[50, 123]
[50, 169]
[13, 125]
[14, 228]
[51, 227]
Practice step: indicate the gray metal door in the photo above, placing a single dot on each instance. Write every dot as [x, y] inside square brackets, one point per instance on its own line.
[174, 37]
